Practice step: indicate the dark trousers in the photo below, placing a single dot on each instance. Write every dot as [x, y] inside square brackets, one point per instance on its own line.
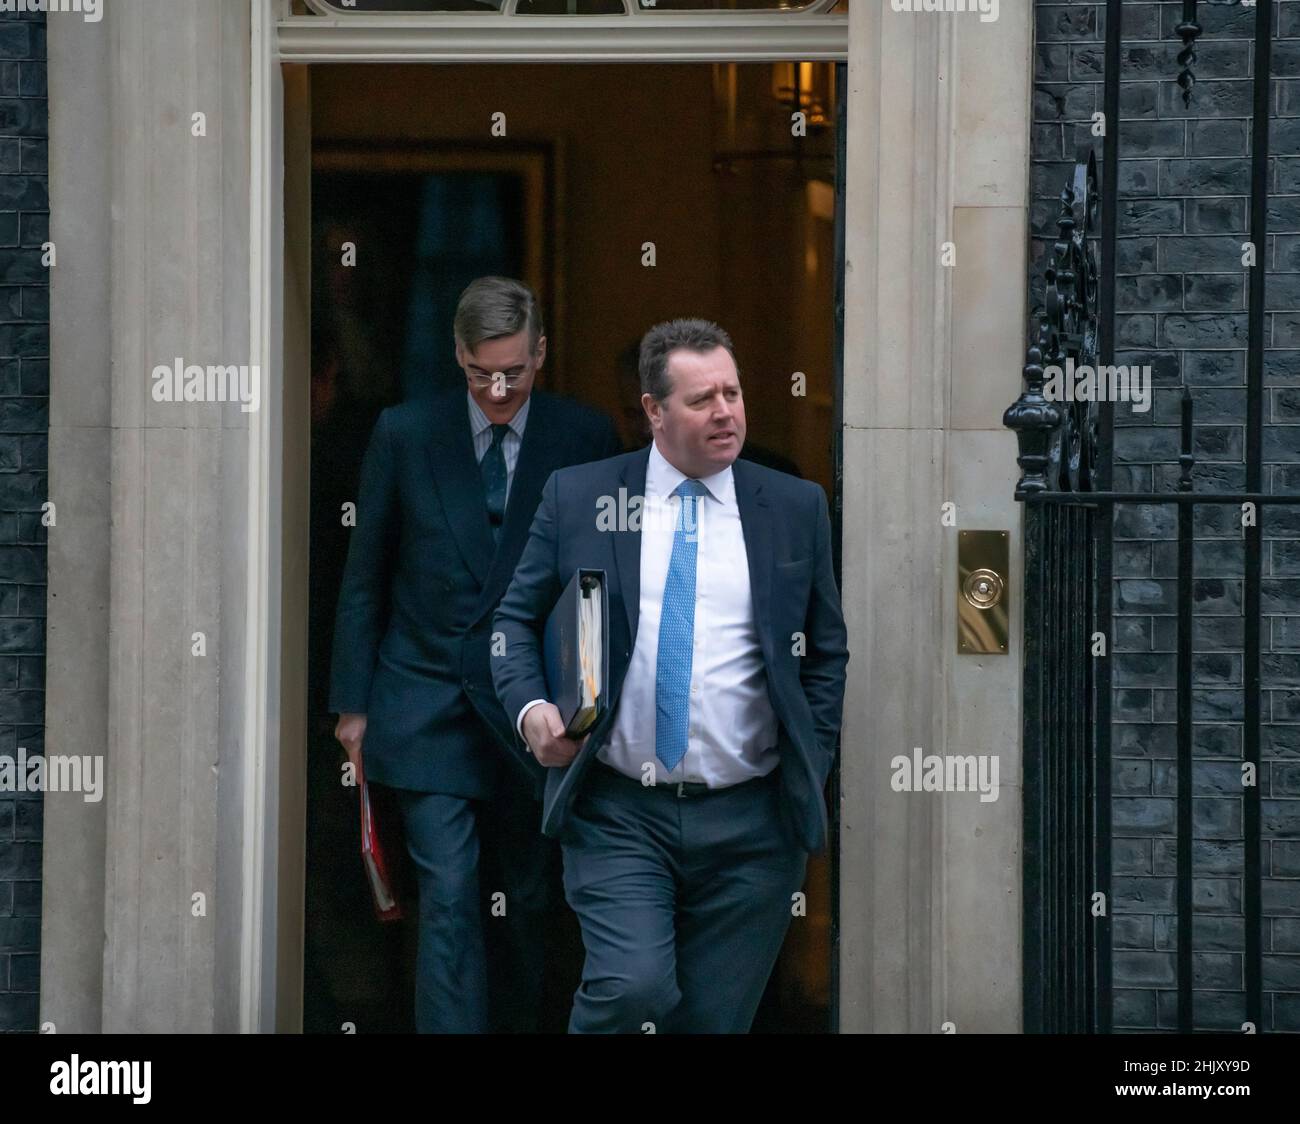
[683, 902]
[485, 876]
[521, 885]
[442, 839]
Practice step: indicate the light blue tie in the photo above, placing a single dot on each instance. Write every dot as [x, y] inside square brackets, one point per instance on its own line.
[677, 633]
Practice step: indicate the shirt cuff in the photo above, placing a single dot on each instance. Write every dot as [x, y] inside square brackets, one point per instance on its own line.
[519, 722]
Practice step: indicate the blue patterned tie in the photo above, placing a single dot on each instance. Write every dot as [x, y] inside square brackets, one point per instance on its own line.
[493, 469]
[677, 633]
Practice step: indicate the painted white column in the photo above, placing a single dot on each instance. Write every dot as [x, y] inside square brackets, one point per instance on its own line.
[151, 223]
[77, 596]
[938, 119]
[992, 83]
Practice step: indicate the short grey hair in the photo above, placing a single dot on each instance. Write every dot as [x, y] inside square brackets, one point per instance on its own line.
[659, 341]
[492, 307]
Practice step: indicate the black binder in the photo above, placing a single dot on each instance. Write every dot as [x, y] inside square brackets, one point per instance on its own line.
[561, 644]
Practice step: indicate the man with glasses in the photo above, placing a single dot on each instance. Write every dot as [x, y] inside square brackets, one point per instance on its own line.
[448, 491]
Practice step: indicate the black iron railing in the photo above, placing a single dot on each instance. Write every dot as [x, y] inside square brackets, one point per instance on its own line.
[1066, 851]
[1066, 486]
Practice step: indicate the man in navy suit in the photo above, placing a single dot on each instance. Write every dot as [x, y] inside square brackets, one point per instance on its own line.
[687, 814]
[448, 490]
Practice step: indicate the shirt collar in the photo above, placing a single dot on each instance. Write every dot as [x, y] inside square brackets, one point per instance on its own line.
[479, 421]
[661, 478]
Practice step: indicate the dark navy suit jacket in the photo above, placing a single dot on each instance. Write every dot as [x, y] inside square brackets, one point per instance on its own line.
[788, 542]
[412, 632]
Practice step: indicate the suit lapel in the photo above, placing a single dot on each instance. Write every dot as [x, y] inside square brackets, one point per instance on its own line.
[756, 525]
[456, 475]
[627, 544]
[532, 467]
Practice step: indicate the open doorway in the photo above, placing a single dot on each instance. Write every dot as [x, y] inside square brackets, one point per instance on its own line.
[625, 195]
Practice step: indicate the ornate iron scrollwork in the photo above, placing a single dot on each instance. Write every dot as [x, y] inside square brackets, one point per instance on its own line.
[1058, 434]
[1189, 30]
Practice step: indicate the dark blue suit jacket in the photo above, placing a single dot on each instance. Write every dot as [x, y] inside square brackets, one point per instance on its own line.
[788, 542]
[412, 632]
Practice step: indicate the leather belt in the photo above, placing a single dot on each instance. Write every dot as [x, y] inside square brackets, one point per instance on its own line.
[680, 790]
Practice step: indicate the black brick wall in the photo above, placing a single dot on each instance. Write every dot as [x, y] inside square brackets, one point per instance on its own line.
[24, 396]
[1184, 186]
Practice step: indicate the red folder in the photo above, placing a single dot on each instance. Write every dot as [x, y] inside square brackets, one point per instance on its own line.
[381, 853]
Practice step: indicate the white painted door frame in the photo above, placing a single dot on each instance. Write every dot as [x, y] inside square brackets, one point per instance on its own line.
[267, 953]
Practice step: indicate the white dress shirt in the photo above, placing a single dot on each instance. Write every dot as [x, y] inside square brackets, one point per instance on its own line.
[480, 426]
[732, 732]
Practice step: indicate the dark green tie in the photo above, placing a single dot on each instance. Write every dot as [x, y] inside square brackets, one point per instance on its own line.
[493, 469]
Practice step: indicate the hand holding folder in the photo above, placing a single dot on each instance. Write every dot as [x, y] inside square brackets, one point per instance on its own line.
[575, 652]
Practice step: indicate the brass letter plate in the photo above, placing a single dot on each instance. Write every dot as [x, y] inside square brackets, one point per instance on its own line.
[982, 592]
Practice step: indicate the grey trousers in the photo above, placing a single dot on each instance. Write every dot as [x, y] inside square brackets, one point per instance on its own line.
[683, 902]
